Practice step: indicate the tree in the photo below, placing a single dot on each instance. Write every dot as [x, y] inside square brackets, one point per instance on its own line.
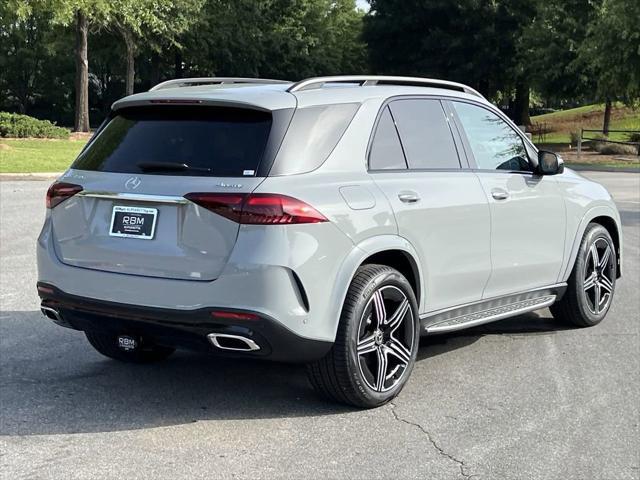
[468, 41]
[157, 22]
[550, 45]
[611, 53]
[22, 55]
[286, 39]
[82, 13]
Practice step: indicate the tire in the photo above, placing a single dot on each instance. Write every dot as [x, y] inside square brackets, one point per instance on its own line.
[589, 295]
[365, 346]
[107, 345]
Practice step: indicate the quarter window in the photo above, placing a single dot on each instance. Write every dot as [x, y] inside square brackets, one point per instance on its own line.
[425, 134]
[495, 145]
[386, 151]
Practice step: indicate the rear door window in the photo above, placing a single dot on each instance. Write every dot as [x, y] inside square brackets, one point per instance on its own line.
[198, 141]
[425, 134]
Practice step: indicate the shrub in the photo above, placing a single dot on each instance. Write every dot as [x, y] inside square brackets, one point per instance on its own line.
[617, 149]
[634, 137]
[21, 126]
[599, 142]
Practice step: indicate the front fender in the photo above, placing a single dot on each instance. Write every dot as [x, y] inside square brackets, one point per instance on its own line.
[601, 210]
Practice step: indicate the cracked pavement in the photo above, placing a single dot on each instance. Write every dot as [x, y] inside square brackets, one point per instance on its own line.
[526, 398]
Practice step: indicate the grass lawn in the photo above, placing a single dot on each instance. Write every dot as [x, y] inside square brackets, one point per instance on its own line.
[18, 155]
[561, 124]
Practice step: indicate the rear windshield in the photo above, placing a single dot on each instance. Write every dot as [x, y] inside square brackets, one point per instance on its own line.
[172, 140]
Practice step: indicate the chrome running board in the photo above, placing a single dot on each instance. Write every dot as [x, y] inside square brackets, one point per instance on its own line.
[486, 311]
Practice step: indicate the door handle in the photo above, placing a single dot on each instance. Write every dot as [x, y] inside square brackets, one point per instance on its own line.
[499, 194]
[409, 197]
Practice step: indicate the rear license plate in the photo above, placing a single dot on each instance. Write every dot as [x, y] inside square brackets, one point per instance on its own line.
[133, 222]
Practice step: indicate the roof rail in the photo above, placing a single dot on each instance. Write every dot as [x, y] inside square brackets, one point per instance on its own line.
[369, 80]
[193, 82]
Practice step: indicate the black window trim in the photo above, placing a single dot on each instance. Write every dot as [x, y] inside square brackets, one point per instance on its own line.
[527, 144]
[465, 165]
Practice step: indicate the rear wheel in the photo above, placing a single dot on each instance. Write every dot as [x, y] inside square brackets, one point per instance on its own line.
[376, 343]
[592, 282]
[142, 352]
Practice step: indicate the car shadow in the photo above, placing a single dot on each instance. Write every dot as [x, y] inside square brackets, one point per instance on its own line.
[53, 382]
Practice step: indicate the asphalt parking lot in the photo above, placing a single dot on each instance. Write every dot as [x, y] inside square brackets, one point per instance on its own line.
[526, 398]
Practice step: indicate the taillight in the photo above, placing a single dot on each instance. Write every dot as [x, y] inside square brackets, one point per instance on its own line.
[60, 191]
[258, 208]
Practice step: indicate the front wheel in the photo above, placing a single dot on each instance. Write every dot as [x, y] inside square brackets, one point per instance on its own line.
[592, 282]
[376, 342]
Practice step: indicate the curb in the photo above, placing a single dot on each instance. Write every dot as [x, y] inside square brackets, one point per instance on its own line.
[589, 168]
[30, 176]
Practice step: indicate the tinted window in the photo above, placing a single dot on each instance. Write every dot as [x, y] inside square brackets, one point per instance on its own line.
[386, 151]
[425, 134]
[313, 134]
[495, 145]
[209, 141]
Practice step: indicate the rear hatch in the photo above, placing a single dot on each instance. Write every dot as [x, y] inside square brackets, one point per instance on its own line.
[131, 216]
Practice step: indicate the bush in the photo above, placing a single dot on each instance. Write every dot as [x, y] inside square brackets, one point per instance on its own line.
[634, 137]
[598, 142]
[617, 149]
[22, 126]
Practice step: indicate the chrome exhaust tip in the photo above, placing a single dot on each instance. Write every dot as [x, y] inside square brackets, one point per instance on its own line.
[51, 313]
[235, 343]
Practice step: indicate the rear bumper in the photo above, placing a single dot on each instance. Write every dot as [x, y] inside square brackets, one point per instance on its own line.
[180, 328]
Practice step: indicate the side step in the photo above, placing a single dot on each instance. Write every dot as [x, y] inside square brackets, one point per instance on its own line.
[488, 311]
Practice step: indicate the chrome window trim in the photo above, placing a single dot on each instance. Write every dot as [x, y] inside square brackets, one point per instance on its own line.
[136, 197]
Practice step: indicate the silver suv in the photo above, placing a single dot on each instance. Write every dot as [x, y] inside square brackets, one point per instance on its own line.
[332, 221]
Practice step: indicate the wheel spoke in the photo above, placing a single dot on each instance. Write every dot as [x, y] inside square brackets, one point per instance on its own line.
[596, 297]
[366, 344]
[605, 284]
[605, 258]
[383, 365]
[398, 350]
[594, 255]
[590, 282]
[398, 315]
[381, 312]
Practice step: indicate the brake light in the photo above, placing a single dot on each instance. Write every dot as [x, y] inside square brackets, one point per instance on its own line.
[258, 208]
[60, 191]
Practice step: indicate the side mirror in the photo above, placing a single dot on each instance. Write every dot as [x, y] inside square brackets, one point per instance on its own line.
[549, 163]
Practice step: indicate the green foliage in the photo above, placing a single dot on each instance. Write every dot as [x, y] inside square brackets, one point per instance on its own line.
[282, 39]
[611, 51]
[23, 126]
[550, 45]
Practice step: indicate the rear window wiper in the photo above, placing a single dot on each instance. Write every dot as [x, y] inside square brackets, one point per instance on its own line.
[169, 167]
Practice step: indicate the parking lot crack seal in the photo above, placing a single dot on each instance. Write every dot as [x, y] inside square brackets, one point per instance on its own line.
[435, 445]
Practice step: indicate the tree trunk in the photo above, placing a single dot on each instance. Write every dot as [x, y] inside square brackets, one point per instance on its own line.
[607, 117]
[81, 123]
[521, 104]
[131, 61]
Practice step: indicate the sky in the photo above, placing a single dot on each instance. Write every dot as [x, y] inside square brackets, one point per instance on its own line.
[363, 4]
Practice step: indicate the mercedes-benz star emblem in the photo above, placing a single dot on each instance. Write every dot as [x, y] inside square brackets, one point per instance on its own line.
[132, 183]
